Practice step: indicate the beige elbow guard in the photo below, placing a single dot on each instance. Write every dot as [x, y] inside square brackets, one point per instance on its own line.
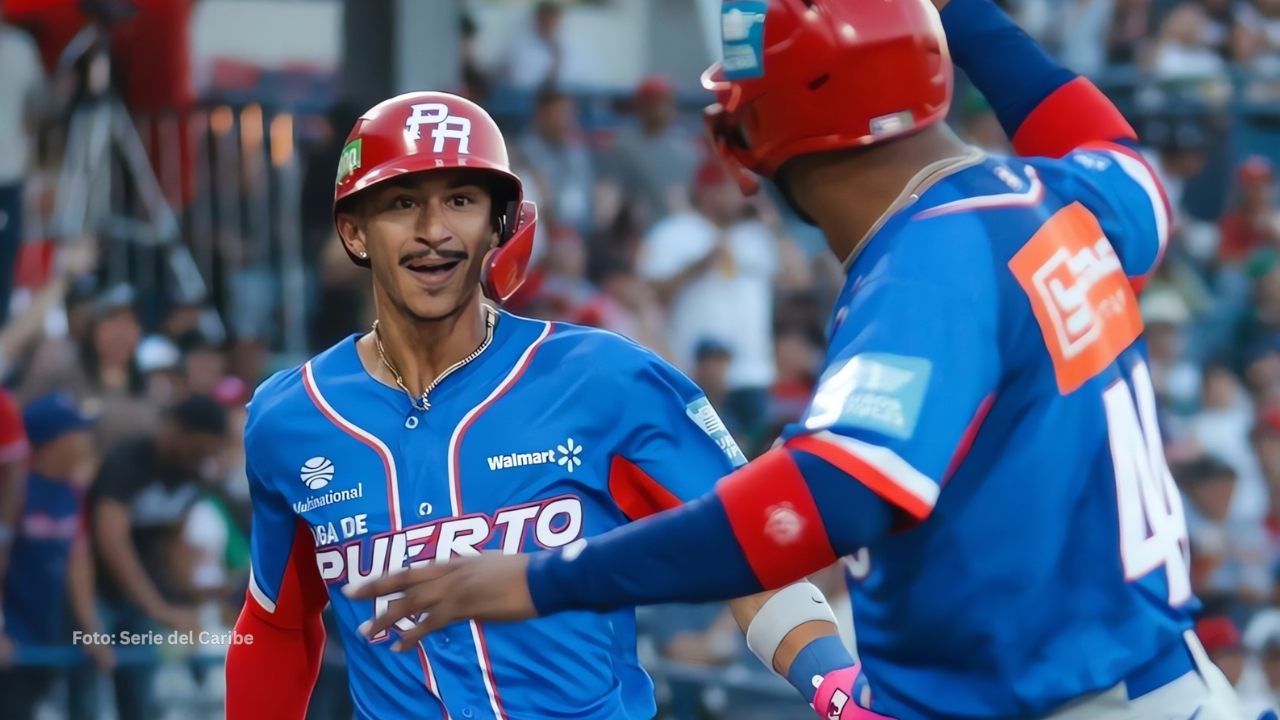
[789, 608]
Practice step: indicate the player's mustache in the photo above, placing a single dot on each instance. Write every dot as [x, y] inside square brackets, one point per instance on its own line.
[442, 253]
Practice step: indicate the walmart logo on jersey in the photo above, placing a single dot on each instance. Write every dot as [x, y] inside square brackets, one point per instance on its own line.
[567, 455]
[880, 392]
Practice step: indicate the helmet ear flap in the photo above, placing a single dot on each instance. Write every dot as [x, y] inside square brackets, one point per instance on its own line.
[724, 136]
[506, 266]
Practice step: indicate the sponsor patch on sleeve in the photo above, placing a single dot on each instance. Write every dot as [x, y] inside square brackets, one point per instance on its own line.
[880, 392]
[701, 412]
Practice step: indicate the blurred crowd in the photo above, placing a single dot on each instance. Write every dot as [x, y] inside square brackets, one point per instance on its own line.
[123, 501]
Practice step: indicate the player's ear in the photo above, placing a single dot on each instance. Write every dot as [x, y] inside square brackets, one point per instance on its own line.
[351, 233]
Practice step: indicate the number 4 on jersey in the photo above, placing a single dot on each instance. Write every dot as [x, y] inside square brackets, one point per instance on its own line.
[1153, 531]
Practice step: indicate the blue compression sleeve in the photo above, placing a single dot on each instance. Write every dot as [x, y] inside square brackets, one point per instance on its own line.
[1007, 66]
[820, 657]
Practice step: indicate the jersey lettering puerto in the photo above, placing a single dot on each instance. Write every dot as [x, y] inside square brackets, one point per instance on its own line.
[555, 432]
[986, 375]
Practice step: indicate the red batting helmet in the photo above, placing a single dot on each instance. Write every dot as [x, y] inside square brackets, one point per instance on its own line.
[806, 76]
[424, 131]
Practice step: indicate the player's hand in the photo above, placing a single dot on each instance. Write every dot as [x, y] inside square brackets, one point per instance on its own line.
[490, 586]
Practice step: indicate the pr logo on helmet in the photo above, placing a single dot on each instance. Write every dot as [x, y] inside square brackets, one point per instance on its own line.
[444, 126]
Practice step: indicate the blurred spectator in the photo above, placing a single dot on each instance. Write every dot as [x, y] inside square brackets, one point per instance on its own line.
[1254, 222]
[715, 270]
[1261, 18]
[108, 358]
[1231, 559]
[21, 101]
[711, 373]
[51, 561]
[626, 304]
[14, 450]
[1180, 145]
[799, 358]
[1182, 53]
[1225, 29]
[555, 150]
[1221, 429]
[160, 363]
[655, 159]
[544, 54]
[1176, 381]
[1130, 32]
[1077, 30]
[1260, 686]
[204, 363]
[476, 84]
[343, 303]
[562, 285]
[1265, 437]
[1221, 640]
[139, 502]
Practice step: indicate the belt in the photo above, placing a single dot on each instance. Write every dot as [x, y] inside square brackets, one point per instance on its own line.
[1168, 665]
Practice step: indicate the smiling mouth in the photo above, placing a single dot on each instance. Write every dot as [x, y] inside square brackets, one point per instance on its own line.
[432, 272]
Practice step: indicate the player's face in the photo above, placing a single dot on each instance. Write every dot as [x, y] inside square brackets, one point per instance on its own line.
[426, 235]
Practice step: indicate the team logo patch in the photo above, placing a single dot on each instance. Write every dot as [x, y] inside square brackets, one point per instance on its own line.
[349, 161]
[702, 413]
[742, 32]
[1079, 293]
[316, 472]
[881, 392]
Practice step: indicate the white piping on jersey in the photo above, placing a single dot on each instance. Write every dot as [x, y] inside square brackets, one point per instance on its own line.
[928, 176]
[1141, 174]
[486, 672]
[432, 686]
[393, 481]
[888, 463]
[455, 500]
[267, 603]
[389, 462]
[1031, 196]
[455, 492]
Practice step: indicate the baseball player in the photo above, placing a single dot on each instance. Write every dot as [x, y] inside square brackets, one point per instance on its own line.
[982, 446]
[453, 427]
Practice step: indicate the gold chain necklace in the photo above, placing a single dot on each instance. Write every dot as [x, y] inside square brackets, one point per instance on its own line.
[422, 403]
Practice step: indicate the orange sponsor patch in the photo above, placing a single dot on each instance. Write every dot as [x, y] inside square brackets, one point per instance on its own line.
[1086, 308]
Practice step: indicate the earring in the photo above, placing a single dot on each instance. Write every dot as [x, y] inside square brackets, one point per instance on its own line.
[363, 255]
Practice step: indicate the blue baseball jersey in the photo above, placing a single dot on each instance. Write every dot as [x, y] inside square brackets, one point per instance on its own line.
[554, 432]
[986, 376]
[35, 587]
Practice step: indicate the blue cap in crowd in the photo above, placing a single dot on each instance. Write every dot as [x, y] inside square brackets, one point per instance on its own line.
[51, 416]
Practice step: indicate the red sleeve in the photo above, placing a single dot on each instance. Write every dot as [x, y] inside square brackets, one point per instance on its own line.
[273, 664]
[1073, 115]
[13, 437]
